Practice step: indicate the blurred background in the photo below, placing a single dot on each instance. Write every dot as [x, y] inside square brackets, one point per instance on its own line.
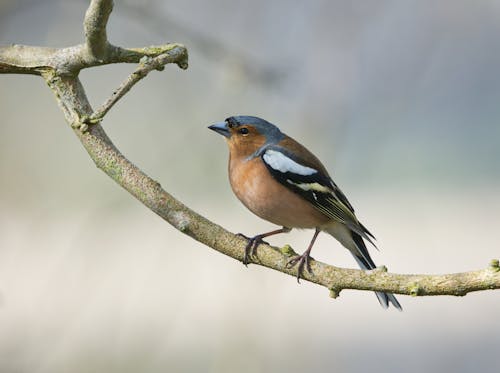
[400, 99]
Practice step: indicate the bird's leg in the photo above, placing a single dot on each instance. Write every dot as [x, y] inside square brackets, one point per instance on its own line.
[253, 242]
[303, 259]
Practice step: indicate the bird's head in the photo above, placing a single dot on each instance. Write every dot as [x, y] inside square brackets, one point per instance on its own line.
[245, 135]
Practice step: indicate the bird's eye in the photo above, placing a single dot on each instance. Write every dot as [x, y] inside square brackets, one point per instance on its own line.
[243, 131]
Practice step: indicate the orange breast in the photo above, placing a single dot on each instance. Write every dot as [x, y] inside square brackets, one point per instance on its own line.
[267, 198]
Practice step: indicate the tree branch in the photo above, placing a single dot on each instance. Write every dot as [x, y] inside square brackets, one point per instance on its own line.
[96, 19]
[60, 67]
[23, 59]
[177, 54]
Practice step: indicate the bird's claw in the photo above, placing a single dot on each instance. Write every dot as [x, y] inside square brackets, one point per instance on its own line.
[251, 247]
[303, 261]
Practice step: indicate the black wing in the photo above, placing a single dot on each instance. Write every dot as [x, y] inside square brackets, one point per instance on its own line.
[314, 186]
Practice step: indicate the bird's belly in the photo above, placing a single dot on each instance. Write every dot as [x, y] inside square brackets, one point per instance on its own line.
[268, 199]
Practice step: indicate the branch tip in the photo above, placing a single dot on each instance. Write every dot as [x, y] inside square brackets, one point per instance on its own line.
[183, 64]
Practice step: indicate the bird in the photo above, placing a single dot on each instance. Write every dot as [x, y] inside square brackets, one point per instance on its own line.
[281, 181]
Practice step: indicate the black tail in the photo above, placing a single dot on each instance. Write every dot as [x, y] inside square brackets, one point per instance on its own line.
[365, 262]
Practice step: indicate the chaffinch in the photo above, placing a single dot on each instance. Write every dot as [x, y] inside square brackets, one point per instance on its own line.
[282, 182]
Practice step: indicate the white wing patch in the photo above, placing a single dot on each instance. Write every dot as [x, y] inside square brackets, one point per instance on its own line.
[280, 162]
[308, 187]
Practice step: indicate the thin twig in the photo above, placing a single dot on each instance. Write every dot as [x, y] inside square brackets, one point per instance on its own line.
[146, 65]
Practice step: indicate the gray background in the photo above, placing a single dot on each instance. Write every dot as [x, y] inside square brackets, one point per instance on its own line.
[400, 99]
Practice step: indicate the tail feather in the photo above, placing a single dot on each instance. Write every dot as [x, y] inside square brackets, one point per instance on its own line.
[365, 262]
[355, 244]
[383, 298]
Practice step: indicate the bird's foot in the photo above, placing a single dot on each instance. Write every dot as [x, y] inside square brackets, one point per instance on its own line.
[302, 261]
[251, 247]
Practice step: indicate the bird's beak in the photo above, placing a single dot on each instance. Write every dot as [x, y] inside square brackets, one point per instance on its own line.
[221, 129]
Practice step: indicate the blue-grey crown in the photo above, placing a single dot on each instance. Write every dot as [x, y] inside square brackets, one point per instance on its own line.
[272, 133]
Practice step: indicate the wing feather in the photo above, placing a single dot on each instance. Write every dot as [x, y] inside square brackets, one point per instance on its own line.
[313, 185]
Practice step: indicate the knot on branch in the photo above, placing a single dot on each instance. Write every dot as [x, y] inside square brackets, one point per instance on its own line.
[495, 265]
[415, 290]
[288, 250]
[181, 221]
[334, 292]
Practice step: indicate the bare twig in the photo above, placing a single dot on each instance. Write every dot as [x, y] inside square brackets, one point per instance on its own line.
[177, 54]
[60, 67]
